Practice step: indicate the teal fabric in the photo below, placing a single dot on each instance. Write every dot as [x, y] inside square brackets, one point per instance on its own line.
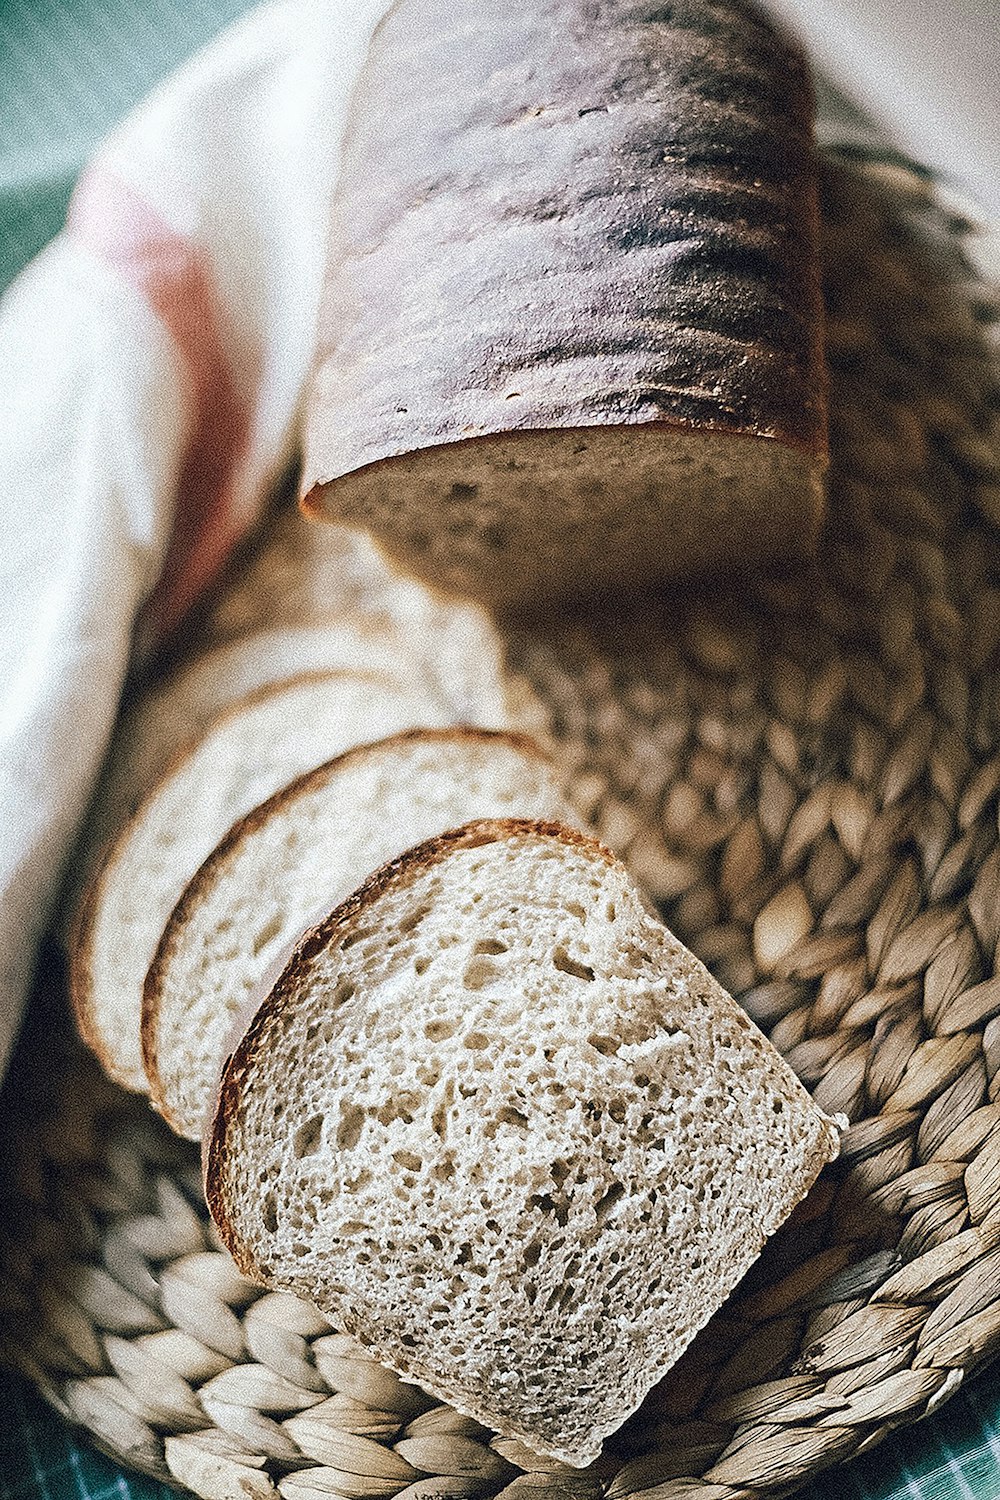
[68, 70]
[954, 1456]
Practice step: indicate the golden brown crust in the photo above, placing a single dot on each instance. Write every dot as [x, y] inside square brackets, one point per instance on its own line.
[81, 968]
[215, 865]
[395, 875]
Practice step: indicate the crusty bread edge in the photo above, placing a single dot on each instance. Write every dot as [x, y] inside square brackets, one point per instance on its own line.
[396, 875]
[81, 935]
[216, 864]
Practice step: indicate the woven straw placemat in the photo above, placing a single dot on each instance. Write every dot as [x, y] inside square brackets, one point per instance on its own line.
[805, 772]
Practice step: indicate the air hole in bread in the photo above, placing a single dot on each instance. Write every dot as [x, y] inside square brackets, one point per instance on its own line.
[421, 964]
[349, 1130]
[307, 1138]
[267, 934]
[396, 1109]
[479, 973]
[269, 1213]
[607, 1201]
[566, 965]
[440, 1029]
[490, 947]
[546, 1204]
[607, 1046]
[353, 938]
[476, 1041]
[413, 918]
[408, 1159]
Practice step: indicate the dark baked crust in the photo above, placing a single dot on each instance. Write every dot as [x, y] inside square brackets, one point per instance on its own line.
[571, 214]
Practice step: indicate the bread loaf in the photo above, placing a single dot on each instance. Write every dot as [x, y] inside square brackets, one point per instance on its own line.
[571, 330]
[500, 1125]
[243, 756]
[296, 855]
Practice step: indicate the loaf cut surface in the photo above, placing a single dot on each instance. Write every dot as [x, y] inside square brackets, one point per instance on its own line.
[243, 756]
[571, 331]
[501, 1126]
[293, 858]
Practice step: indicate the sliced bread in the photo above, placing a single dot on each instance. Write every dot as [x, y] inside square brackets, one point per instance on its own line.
[305, 574]
[296, 856]
[571, 333]
[501, 1126]
[175, 709]
[243, 756]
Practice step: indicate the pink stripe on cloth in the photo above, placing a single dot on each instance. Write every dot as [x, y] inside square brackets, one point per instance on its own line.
[175, 276]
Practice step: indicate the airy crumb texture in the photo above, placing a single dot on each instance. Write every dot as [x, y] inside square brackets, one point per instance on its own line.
[295, 857]
[177, 708]
[500, 1125]
[524, 516]
[244, 756]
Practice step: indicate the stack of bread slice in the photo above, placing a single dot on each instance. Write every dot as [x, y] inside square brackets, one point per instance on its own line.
[488, 1112]
[353, 654]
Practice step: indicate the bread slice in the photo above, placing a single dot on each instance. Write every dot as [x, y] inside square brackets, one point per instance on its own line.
[294, 857]
[174, 710]
[304, 574]
[501, 1126]
[243, 756]
[571, 334]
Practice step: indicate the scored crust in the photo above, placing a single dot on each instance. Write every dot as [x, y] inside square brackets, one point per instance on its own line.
[216, 865]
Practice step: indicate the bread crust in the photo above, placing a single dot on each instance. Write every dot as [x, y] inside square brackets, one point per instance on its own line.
[611, 212]
[216, 863]
[342, 920]
[82, 931]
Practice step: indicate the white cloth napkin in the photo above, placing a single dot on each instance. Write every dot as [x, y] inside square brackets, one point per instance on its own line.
[151, 362]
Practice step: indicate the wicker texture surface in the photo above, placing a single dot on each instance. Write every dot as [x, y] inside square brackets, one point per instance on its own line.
[806, 774]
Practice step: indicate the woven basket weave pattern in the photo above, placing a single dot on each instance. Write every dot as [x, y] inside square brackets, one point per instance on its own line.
[805, 773]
